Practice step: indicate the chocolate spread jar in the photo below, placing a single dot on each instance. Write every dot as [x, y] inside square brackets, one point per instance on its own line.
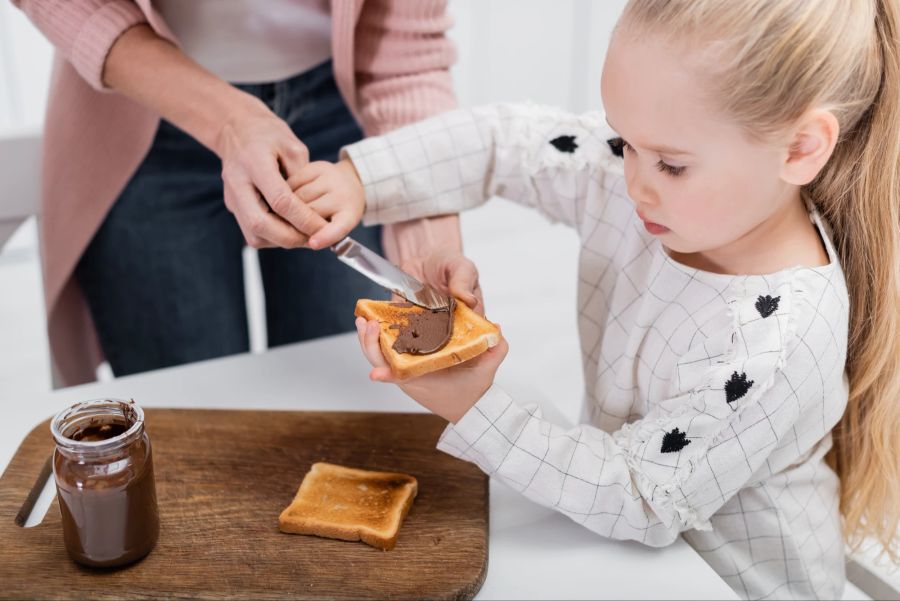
[103, 466]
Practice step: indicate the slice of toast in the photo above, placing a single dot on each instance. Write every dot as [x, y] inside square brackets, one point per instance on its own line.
[350, 504]
[472, 335]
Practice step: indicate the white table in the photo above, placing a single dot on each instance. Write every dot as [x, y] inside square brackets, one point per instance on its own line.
[534, 552]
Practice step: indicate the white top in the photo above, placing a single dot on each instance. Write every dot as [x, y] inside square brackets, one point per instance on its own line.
[251, 41]
[709, 398]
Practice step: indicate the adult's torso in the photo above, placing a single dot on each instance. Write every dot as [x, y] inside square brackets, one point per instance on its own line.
[251, 41]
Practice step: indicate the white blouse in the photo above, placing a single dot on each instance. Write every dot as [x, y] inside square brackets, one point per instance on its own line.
[251, 41]
[709, 398]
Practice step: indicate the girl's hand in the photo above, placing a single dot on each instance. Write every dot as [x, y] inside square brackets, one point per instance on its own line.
[334, 192]
[259, 151]
[450, 392]
[450, 273]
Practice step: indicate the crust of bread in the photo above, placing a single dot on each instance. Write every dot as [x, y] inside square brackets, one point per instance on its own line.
[472, 335]
[350, 504]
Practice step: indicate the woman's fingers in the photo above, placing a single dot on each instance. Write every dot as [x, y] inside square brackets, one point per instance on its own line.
[261, 228]
[259, 152]
[279, 196]
[292, 157]
[234, 202]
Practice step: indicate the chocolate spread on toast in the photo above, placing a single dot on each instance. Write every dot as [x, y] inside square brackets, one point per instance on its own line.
[426, 332]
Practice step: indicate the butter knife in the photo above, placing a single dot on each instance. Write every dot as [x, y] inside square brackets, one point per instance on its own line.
[386, 274]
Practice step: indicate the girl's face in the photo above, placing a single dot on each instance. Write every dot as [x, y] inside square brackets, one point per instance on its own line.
[698, 181]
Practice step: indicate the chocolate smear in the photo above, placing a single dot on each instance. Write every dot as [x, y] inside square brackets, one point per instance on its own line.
[426, 331]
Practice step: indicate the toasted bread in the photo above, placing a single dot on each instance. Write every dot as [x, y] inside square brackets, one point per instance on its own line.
[472, 335]
[350, 504]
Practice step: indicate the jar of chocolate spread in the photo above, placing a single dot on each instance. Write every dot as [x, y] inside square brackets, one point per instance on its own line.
[103, 466]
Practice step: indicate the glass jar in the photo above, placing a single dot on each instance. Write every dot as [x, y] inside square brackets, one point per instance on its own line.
[103, 467]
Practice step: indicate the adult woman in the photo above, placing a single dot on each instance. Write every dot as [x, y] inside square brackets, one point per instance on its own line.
[133, 206]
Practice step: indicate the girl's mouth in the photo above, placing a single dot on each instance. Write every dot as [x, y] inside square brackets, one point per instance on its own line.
[652, 228]
[655, 228]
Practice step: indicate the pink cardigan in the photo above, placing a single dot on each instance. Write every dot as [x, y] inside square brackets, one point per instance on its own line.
[391, 62]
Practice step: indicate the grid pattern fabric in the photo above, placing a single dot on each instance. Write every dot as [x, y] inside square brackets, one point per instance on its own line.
[709, 398]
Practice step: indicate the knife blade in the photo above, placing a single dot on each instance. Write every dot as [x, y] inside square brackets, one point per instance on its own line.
[386, 274]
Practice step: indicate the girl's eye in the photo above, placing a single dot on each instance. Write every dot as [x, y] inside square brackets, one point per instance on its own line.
[660, 165]
[669, 169]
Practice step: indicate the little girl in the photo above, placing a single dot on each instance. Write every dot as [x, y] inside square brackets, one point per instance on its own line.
[751, 182]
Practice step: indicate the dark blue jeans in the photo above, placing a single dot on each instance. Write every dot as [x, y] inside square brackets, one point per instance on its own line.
[163, 275]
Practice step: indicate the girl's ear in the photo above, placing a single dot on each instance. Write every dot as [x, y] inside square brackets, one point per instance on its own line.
[809, 147]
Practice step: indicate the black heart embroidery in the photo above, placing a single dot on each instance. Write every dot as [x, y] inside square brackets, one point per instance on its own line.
[737, 386]
[766, 305]
[617, 145]
[564, 144]
[674, 441]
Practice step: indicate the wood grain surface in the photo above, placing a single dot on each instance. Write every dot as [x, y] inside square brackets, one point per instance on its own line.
[223, 477]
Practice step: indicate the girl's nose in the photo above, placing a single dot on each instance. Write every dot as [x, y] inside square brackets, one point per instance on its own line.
[639, 191]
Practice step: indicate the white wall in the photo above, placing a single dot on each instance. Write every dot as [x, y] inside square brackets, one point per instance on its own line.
[25, 58]
[546, 51]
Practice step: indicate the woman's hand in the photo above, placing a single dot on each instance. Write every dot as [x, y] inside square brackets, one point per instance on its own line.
[258, 151]
[450, 392]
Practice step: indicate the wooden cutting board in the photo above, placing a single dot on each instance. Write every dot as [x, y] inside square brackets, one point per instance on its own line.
[222, 478]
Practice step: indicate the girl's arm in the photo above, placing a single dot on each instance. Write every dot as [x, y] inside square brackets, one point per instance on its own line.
[543, 158]
[736, 420]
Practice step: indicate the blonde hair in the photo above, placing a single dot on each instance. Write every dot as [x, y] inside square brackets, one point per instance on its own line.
[778, 59]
